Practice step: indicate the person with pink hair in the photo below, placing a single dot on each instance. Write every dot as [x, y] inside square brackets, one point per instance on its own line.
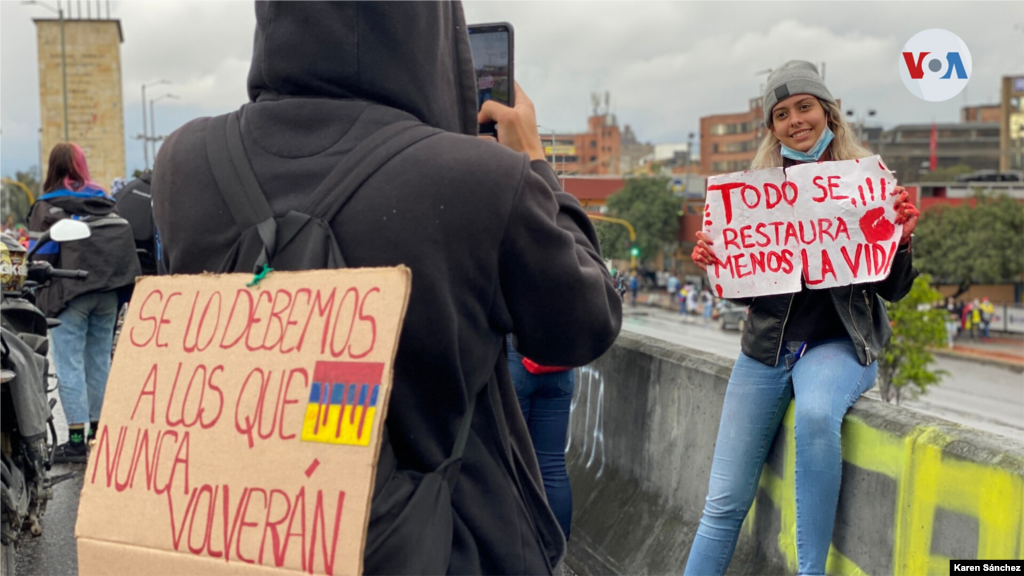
[87, 309]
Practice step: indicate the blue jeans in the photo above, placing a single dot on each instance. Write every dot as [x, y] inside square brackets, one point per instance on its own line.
[545, 400]
[825, 382]
[81, 354]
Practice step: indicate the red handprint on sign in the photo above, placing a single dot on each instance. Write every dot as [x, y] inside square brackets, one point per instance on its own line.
[874, 224]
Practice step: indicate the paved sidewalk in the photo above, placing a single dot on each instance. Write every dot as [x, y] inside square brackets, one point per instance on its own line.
[1004, 350]
[660, 299]
[1001, 350]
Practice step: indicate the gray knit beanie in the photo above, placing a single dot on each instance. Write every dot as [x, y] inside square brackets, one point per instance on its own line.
[794, 77]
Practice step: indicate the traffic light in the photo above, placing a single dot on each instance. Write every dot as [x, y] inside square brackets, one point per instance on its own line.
[634, 251]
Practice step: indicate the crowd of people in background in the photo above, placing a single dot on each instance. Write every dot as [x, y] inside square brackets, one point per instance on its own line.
[689, 299]
[15, 229]
[693, 301]
[971, 317]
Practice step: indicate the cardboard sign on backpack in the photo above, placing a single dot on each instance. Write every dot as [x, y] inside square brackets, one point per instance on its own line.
[242, 425]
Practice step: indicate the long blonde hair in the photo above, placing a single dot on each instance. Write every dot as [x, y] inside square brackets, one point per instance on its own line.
[844, 144]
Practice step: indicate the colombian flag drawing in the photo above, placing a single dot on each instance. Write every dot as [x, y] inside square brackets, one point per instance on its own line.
[342, 403]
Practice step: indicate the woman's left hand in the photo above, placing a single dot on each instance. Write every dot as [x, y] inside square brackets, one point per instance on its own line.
[906, 214]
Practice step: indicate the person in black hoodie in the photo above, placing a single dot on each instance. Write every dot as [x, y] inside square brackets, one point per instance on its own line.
[482, 225]
[134, 204]
[87, 309]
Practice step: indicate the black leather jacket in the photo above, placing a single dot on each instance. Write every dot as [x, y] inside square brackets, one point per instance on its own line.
[860, 309]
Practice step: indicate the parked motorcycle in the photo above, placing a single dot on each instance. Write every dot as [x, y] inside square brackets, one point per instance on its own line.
[26, 419]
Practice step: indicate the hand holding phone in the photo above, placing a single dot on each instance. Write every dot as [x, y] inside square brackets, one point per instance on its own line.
[492, 49]
[516, 126]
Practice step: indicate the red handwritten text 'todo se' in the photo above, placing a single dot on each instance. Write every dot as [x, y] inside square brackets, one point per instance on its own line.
[751, 196]
[270, 320]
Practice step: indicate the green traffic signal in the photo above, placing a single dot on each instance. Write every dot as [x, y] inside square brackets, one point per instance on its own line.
[634, 251]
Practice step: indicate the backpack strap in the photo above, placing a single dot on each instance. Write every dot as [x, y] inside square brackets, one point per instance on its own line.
[453, 465]
[364, 161]
[247, 201]
[238, 185]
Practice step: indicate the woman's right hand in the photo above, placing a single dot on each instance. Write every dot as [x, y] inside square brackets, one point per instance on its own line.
[702, 253]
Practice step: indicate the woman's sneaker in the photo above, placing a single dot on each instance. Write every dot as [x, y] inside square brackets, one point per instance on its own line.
[71, 454]
[74, 451]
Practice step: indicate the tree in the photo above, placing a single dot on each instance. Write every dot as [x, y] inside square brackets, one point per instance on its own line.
[653, 211]
[916, 326]
[968, 244]
[30, 178]
[945, 173]
[14, 202]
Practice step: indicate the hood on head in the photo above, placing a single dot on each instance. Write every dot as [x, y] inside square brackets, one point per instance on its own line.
[413, 56]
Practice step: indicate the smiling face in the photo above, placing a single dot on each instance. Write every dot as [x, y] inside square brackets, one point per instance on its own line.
[798, 121]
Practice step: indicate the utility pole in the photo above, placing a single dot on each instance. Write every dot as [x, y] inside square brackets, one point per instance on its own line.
[152, 120]
[64, 72]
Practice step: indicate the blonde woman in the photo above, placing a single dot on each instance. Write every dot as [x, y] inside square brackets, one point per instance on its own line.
[818, 347]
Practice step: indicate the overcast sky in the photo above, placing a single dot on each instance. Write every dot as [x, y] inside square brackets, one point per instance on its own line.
[666, 64]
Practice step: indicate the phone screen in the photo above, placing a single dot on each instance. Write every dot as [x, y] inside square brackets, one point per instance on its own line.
[491, 46]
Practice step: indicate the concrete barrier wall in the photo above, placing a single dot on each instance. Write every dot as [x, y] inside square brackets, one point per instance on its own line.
[916, 491]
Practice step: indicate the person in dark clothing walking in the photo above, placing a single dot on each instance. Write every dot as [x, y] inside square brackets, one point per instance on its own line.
[87, 309]
[817, 347]
[135, 204]
[481, 225]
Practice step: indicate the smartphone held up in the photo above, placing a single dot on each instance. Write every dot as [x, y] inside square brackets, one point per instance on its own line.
[492, 49]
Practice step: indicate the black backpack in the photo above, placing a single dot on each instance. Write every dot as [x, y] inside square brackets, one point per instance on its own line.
[135, 204]
[410, 528]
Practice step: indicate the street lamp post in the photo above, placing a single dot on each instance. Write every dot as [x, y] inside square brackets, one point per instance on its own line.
[689, 157]
[152, 119]
[6, 197]
[145, 132]
[63, 59]
[860, 122]
[554, 163]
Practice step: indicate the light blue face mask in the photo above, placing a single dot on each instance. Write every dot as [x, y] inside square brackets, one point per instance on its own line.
[814, 153]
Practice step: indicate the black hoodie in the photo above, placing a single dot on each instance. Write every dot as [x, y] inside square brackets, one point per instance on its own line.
[494, 245]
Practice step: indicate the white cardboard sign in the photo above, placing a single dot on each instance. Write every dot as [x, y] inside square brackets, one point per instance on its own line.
[833, 223]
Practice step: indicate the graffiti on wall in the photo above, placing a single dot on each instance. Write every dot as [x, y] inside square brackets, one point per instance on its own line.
[934, 507]
[589, 398]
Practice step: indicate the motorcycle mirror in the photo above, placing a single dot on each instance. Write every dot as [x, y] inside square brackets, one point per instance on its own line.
[68, 230]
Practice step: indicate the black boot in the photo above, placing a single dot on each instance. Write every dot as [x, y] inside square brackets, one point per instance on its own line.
[93, 429]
